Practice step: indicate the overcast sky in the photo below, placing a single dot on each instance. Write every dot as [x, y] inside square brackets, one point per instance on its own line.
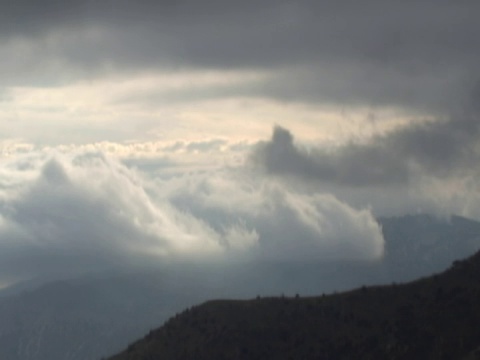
[134, 131]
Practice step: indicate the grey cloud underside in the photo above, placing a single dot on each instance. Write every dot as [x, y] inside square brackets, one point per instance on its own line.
[439, 149]
[221, 31]
[417, 54]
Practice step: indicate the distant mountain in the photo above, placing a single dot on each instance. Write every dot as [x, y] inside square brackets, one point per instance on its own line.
[417, 245]
[90, 317]
[85, 318]
[434, 318]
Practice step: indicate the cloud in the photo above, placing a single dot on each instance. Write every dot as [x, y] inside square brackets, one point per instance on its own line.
[290, 225]
[356, 165]
[439, 149]
[70, 214]
[419, 54]
[189, 68]
[132, 76]
[98, 214]
[429, 168]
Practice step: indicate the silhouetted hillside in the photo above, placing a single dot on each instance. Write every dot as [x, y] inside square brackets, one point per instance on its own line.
[433, 318]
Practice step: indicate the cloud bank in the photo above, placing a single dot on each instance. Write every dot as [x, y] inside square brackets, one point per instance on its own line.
[420, 55]
[439, 149]
[129, 76]
[430, 168]
[62, 215]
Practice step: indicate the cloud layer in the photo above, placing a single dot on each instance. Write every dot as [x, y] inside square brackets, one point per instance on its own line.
[419, 54]
[135, 71]
[63, 215]
[122, 77]
[438, 149]
[430, 168]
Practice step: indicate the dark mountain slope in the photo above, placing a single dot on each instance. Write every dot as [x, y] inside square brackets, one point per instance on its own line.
[433, 318]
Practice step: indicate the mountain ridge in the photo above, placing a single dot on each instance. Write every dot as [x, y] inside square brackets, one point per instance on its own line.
[435, 317]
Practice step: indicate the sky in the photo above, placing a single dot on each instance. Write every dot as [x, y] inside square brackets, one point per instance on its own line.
[136, 132]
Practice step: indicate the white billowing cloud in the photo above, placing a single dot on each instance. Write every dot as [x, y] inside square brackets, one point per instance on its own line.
[97, 212]
[290, 225]
[66, 214]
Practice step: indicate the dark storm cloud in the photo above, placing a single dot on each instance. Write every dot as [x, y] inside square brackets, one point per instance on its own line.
[352, 165]
[422, 53]
[439, 149]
